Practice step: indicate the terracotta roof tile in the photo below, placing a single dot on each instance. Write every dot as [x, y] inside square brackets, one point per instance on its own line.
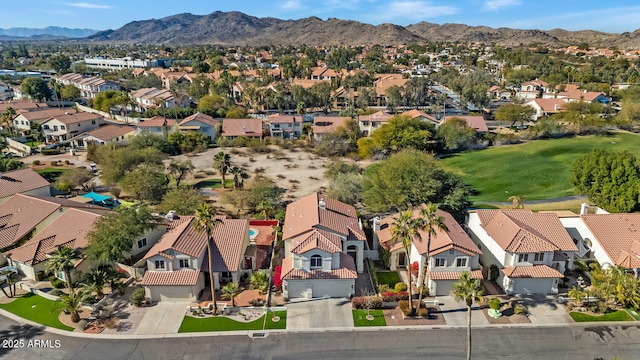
[328, 124]
[110, 132]
[19, 181]
[72, 118]
[156, 121]
[535, 271]
[200, 117]
[453, 275]
[376, 117]
[316, 239]
[19, 215]
[618, 235]
[242, 127]
[284, 119]
[171, 278]
[476, 122]
[346, 271]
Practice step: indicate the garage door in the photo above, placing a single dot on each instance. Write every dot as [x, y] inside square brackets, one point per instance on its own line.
[443, 287]
[532, 286]
[332, 288]
[170, 293]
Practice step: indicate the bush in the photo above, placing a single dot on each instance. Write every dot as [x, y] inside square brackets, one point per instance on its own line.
[39, 275]
[360, 302]
[388, 296]
[50, 151]
[54, 163]
[494, 272]
[495, 304]
[383, 288]
[56, 283]
[404, 307]
[137, 297]
[519, 309]
[400, 287]
[67, 162]
[35, 162]
[56, 292]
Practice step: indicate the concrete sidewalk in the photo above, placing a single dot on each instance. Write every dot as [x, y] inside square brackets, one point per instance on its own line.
[165, 317]
[319, 313]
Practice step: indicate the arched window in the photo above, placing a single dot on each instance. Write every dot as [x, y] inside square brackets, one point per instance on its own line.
[316, 261]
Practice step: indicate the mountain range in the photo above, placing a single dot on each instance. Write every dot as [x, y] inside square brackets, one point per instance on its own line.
[46, 33]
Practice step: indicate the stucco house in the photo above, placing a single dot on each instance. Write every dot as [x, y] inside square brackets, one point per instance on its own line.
[532, 250]
[327, 125]
[546, 107]
[451, 251]
[108, 134]
[370, 123]
[27, 118]
[201, 123]
[285, 126]
[63, 127]
[233, 128]
[155, 126]
[23, 181]
[324, 248]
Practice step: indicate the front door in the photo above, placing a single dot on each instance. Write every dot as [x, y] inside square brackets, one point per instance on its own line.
[402, 260]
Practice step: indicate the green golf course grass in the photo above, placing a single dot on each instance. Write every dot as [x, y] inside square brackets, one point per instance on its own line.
[37, 309]
[538, 169]
[221, 323]
[360, 318]
[619, 315]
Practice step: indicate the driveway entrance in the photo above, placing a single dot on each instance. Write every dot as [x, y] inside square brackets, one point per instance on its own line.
[319, 313]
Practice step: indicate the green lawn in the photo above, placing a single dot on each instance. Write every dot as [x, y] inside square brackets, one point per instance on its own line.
[634, 313]
[390, 278]
[359, 318]
[619, 315]
[37, 309]
[538, 169]
[221, 323]
[212, 183]
[51, 174]
[33, 144]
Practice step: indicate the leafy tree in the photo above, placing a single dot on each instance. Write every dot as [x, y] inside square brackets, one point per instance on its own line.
[456, 134]
[8, 164]
[149, 140]
[73, 178]
[178, 169]
[36, 88]
[397, 134]
[146, 182]
[231, 292]
[106, 100]
[429, 222]
[117, 163]
[517, 77]
[113, 235]
[610, 179]
[517, 201]
[260, 189]
[205, 222]
[63, 260]
[222, 163]
[71, 303]
[514, 113]
[582, 116]
[366, 97]
[468, 290]
[60, 63]
[236, 113]
[259, 280]
[576, 294]
[239, 175]
[394, 96]
[345, 187]
[184, 200]
[413, 177]
[340, 167]
[95, 280]
[266, 207]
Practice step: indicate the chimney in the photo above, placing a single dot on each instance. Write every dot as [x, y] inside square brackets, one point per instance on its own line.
[322, 204]
[584, 209]
[244, 129]
[555, 107]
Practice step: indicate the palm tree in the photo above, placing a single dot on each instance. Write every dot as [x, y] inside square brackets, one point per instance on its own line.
[266, 208]
[429, 222]
[7, 118]
[205, 222]
[63, 260]
[576, 294]
[72, 302]
[404, 230]
[517, 201]
[235, 171]
[95, 280]
[259, 280]
[468, 290]
[222, 163]
[231, 291]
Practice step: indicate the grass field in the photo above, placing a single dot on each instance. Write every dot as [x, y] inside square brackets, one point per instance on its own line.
[37, 309]
[538, 169]
[359, 318]
[51, 174]
[619, 315]
[220, 323]
[634, 313]
[390, 278]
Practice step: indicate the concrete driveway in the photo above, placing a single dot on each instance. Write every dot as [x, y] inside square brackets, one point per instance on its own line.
[165, 317]
[544, 309]
[455, 313]
[319, 313]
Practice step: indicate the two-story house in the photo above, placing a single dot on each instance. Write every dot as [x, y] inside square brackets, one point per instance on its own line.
[89, 86]
[28, 118]
[452, 251]
[23, 181]
[202, 123]
[157, 125]
[324, 248]
[233, 128]
[370, 123]
[532, 250]
[327, 125]
[533, 89]
[63, 127]
[148, 98]
[285, 126]
[178, 266]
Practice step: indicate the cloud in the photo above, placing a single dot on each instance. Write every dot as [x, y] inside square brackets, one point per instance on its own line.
[491, 5]
[416, 10]
[291, 5]
[85, 5]
[612, 20]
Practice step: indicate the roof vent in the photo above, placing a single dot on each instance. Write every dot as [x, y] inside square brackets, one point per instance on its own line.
[171, 215]
[322, 204]
[244, 129]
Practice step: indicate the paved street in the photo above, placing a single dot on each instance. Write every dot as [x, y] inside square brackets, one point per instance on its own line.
[319, 313]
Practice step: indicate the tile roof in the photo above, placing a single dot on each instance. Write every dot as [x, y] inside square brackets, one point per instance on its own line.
[523, 231]
[42, 113]
[19, 181]
[72, 118]
[110, 132]
[347, 270]
[376, 117]
[577, 94]
[20, 104]
[618, 235]
[413, 114]
[453, 275]
[550, 105]
[284, 119]
[200, 117]
[535, 271]
[19, 215]
[242, 127]
[476, 122]
[171, 278]
[328, 124]
[305, 214]
[455, 238]
[316, 239]
[156, 121]
[70, 229]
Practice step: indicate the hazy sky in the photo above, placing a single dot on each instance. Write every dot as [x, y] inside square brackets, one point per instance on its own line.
[611, 16]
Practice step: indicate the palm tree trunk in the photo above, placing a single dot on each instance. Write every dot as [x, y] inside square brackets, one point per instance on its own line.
[213, 287]
[406, 249]
[468, 332]
[425, 270]
[224, 180]
[67, 275]
[5, 293]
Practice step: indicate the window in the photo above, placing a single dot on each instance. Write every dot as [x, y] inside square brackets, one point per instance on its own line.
[523, 257]
[461, 262]
[55, 127]
[62, 127]
[316, 261]
[142, 243]
[93, 122]
[365, 123]
[441, 263]
[184, 263]
[539, 257]
[451, 251]
[159, 264]
[46, 127]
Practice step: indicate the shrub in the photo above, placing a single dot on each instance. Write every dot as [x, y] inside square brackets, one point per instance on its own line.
[111, 323]
[394, 296]
[82, 324]
[67, 162]
[360, 302]
[35, 162]
[56, 292]
[494, 272]
[50, 151]
[39, 275]
[404, 307]
[383, 288]
[137, 297]
[115, 191]
[54, 163]
[400, 287]
[56, 283]
[519, 309]
[495, 304]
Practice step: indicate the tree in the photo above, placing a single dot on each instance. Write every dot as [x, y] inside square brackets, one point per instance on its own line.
[146, 182]
[231, 291]
[346, 188]
[7, 118]
[260, 189]
[468, 290]
[184, 200]
[610, 179]
[456, 134]
[11, 278]
[187, 142]
[414, 177]
[64, 260]
[428, 222]
[394, 97]
[178, 169]
[576, 294]
[60, 63]
[69, 92]
[259, 280]
[517, 201]
[238, 175]
[397, 134]
[8, 164]
[113, 235]
[95, 280]
[266, 207]
[36, 88]
[117, 163]
[73, 178]
[514, 113]
[206, 222]
[403, 230]
[222, 163]
[72, 302]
